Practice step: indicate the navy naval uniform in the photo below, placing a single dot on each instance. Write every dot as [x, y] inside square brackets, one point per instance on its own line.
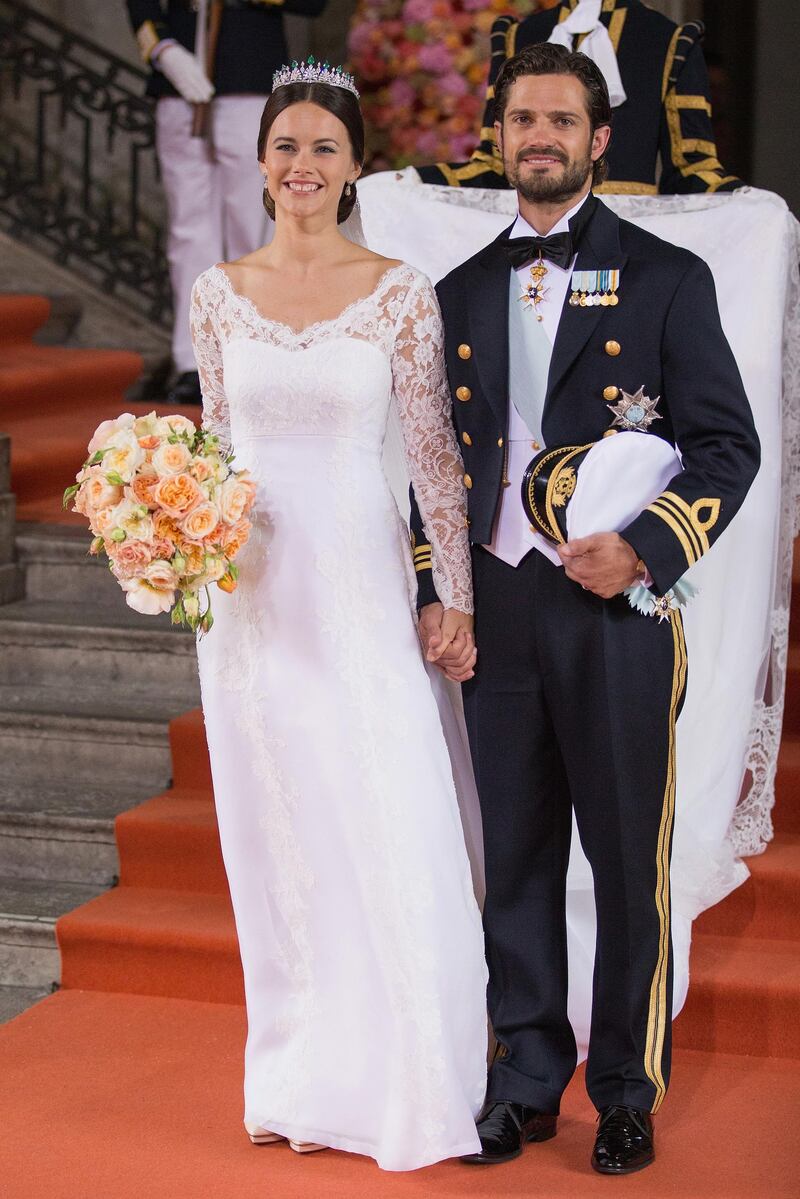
[574, 700]
[213, 185]
[666, 118]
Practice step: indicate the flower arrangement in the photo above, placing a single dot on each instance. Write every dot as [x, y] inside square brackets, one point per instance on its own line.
[421, 67]
[165, 506]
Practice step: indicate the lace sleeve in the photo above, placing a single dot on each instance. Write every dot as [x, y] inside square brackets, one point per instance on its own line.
[422, 400]
[208, 355]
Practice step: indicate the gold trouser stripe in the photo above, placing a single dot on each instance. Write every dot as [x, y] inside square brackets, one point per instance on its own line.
[668, 519]
[657, 1013]
[624, 187]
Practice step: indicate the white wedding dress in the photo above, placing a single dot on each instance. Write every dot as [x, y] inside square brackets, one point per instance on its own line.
[360, 937]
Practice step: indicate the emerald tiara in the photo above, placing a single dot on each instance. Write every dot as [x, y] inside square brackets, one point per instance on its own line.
[311, 71]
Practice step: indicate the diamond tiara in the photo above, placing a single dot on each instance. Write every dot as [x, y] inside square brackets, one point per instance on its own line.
[311, 71]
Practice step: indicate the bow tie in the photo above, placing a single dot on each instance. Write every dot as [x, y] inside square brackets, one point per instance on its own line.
[558, 249]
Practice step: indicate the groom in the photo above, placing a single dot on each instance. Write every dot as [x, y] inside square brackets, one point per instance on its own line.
[575, 695]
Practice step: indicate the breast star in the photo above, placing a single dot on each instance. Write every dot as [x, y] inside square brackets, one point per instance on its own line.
[635, 411]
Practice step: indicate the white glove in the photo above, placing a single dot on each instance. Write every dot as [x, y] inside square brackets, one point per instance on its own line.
[185, 74]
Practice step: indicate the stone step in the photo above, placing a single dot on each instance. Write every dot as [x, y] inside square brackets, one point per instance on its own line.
[53, 643]
[29, 910]
[40, 748]
[65, 834]
[57, 562]
[14, 1000]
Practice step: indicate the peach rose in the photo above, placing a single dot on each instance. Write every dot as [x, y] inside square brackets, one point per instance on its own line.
[96, 492]
[105, 433]
[161, 575]
[195, 559]
[129, 558]
[178, 494]
[235, 498]
[102, 522]
[201, 522]
[202, 470]
[166, 528]
[143, 486]
[235, 536]
[175, 424]
[150, 443]
[162, 548]
[171, 458]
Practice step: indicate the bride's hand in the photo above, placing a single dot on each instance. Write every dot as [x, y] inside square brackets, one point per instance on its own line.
[453, 647]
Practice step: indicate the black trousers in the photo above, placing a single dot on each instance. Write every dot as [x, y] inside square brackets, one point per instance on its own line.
[573, 705]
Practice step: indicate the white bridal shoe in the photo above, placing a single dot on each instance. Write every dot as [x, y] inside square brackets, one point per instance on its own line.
[306, 1146]
[262, 1136]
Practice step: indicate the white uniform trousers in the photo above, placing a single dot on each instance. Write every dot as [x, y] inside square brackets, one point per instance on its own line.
[213, 188]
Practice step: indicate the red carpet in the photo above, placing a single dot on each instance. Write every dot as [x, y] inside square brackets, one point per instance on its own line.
[128, 1082]
[51, 401]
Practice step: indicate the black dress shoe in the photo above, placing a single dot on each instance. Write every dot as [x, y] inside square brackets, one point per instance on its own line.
[185, 389]
[504, 1128]
[624, 1141]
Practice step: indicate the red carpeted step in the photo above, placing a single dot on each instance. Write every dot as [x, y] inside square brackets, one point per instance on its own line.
[791, 716]
[49, 379]
[172, 841]
[191, 769]
[20, 317]
[153, 942]
[123, 1096]
[768, 904]
[786, 813]
[744, 997]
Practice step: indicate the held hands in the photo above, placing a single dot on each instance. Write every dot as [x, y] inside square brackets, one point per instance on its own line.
[448, 640]
[603, 563]
[185, 73]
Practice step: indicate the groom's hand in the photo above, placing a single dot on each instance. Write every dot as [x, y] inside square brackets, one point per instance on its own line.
[603, 563]
[447, 639]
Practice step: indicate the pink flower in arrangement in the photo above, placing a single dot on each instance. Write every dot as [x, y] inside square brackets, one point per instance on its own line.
[473, 5]
[427, 143]
[453, 84]
[418, 10]
[401, 93]
[436, 59]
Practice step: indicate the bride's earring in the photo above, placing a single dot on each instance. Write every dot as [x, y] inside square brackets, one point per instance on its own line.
[348, 189]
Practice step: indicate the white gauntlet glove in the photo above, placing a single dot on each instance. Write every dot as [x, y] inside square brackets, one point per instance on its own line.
[184, 73]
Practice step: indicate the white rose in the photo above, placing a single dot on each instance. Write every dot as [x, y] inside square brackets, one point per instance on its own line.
[105, 433]
[125, 456]
[146, 426]
[175, 424]
[143, 597]
[133, 518]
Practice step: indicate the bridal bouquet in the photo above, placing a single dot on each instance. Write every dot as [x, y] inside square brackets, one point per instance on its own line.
[166, 507]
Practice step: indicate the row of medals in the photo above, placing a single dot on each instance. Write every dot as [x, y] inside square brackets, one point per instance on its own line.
[594, 287]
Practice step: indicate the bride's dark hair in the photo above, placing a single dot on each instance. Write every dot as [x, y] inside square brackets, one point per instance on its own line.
[338, 100]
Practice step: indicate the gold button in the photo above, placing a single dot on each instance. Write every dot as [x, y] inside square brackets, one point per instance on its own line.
[467, 481]
[610, 432]
[613, 348]
[464, 393]
[465, 437]
[500, 441]
[466, 522]
[611, 392]
[535, 445]
[464, 351]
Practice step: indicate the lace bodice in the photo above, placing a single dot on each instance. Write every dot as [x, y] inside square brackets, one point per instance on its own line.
[337, 378]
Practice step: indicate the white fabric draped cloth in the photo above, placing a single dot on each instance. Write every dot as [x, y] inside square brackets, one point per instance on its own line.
[597, 45]
[737, 627]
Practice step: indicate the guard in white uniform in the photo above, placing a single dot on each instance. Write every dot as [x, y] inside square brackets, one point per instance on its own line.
[212, 182]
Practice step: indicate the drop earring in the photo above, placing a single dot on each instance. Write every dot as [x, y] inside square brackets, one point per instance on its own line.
[348, 189]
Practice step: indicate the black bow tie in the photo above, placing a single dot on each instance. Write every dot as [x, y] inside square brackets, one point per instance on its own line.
[557, 249]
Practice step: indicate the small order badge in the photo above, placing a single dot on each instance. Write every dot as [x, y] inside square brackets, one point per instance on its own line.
[634, 412]
[590, 288]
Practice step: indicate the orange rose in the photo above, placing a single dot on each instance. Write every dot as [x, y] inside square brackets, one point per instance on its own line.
[178, 495]
[142, 486]
[235, 536]
[150, 443]
[195, 559]
[201, 470]
[165, 528]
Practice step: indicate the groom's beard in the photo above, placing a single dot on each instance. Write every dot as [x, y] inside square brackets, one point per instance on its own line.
[556, 188]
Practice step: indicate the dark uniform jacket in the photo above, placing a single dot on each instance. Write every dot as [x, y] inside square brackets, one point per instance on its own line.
[666, 116]
[251, 45]
[663, 335]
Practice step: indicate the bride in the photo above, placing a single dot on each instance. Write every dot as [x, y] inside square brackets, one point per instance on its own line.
[360, 938]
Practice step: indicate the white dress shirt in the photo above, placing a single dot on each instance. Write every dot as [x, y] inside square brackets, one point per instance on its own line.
[512, 537]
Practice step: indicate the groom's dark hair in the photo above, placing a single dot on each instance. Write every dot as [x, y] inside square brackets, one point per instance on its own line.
[548, 58]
